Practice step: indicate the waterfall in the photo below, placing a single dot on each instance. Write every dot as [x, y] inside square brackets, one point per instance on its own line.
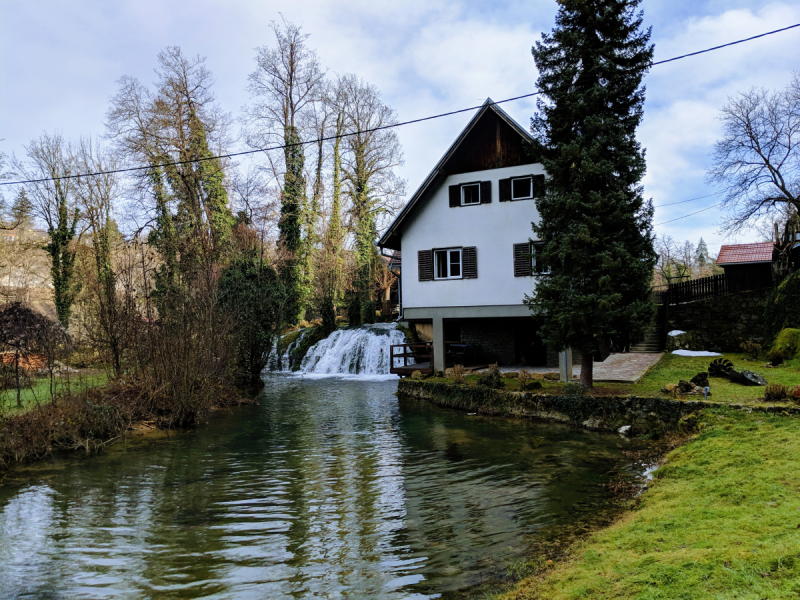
[283, 362]
[358, 351]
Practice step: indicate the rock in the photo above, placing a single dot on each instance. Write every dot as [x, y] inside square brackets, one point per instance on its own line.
[750, 378]
[534, 385]
[700, 380]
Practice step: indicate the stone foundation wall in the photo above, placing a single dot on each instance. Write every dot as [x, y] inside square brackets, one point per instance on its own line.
[721, 324]
[604, 414]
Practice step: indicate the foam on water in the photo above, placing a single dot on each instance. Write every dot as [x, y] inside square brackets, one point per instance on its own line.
[362, 351]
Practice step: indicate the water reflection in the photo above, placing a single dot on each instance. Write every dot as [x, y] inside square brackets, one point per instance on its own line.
[328, 488]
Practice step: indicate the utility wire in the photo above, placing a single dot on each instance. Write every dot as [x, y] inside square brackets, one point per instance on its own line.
[689, 200]
[326, 138]
[689, 215]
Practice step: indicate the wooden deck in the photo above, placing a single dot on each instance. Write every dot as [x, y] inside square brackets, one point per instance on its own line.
[415, 357]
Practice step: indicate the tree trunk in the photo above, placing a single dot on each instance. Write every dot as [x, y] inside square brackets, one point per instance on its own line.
[16, 373]
[587, 364]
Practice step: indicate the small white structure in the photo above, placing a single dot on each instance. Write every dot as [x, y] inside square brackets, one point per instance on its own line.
[466, 241]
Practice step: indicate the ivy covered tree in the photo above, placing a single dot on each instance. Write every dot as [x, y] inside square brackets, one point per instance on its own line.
[595, 224]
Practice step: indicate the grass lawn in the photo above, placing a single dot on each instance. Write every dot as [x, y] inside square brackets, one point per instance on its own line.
[722, 520]
[39, 392]
[671, 369]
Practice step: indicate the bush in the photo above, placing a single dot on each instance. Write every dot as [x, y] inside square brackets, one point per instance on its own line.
[788, 341]
[783, 307]
[775, 356]
[524, 378]
[417, 375]
[775, 391]
[492, 379]
[574, 389]
[752, 349]
[796, 393]
[456, 373]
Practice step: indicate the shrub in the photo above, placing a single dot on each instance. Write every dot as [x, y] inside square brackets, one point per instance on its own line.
[783, 307]
[574, 388]
[492, 378]
[417, 375]
[796, 393]
[524, 378]
[456, 373]
[752, 349]
[775, 356]
[774, 392]
[788, 341]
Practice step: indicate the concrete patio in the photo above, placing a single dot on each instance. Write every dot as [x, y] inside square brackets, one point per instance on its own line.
[628, 367]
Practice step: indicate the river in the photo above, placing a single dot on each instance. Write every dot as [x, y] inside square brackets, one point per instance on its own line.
[325, 488]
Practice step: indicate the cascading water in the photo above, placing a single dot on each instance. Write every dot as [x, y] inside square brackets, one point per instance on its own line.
[358, 351]
[282, 362]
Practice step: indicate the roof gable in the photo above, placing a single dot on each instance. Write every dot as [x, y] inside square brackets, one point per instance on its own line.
[491, 140]
[745, 253]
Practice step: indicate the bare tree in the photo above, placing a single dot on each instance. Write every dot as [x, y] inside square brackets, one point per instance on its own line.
[51, 163]
[758, 158]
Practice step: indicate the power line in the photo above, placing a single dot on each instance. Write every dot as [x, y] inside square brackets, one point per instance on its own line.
[685, 201]
[755, 37]
[327, 138]
[689, 215]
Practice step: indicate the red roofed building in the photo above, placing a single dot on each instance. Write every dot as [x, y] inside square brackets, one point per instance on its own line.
[747, 266]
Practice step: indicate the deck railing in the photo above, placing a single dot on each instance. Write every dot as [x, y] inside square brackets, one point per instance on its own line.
[711, 287]
[421, 356]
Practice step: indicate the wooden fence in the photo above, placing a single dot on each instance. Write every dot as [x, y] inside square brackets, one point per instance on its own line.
[712, 287]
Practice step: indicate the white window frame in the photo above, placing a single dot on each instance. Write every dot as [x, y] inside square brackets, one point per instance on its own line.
[477, 184]
[460, 251]
[529, 178]
[534, 272]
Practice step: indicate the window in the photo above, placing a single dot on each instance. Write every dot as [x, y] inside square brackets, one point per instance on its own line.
[528, 261]
[522, 188]
[470, 194]
[447, 263]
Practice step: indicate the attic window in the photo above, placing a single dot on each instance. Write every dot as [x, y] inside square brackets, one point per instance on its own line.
[470, 194]
[522, 188]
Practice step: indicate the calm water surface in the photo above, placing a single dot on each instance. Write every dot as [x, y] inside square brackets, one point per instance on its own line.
[327, 488]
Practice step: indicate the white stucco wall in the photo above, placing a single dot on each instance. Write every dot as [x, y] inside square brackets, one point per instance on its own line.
[492, 228]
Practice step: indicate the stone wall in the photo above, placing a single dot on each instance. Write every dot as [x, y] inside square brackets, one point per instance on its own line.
[721, 324]
[643, 414]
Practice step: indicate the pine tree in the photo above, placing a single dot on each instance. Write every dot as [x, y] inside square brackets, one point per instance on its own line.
[701, 254]
[595, 225]
[22, 210]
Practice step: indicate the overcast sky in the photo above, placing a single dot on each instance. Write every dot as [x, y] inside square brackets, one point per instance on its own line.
[61, 61]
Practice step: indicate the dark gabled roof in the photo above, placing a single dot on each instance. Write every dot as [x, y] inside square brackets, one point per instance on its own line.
[455, 161]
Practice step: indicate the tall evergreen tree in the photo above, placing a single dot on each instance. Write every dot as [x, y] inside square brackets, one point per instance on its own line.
[595, 225]
[22, 210]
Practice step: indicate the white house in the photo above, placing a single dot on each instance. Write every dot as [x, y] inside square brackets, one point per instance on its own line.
[468, 261]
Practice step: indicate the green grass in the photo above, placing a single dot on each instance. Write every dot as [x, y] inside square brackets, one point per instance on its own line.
[671, 368]
[39, 392]
[722, 520]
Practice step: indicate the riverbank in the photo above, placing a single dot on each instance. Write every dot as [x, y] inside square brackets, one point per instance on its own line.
[91, 418]
[721, 520]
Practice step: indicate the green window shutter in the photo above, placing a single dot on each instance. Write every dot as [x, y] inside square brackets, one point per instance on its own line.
[425, 265]
[469, 262]
[522, 260]
[504, 189]
[486, 192]
[455, 196]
